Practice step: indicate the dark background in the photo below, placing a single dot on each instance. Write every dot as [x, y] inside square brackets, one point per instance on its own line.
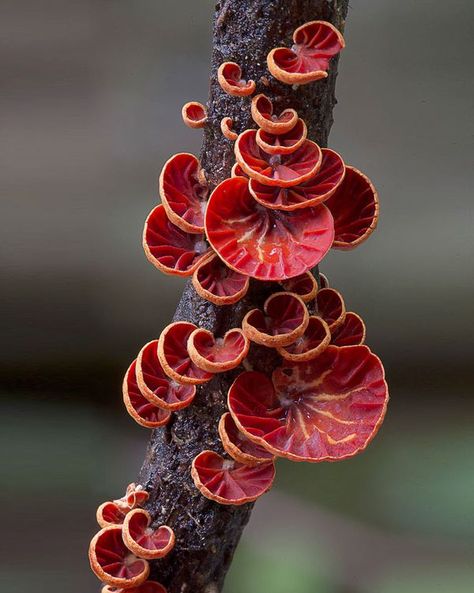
[90, 109]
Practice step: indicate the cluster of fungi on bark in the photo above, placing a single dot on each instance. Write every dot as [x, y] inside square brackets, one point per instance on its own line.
[286, 204]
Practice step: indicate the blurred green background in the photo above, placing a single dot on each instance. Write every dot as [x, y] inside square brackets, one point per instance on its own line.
[90, 109]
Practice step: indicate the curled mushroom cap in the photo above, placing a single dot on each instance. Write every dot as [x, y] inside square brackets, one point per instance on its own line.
[146, 587]
[283, 170]
[170, 249]
[228, 482]
[226, 129]
[313, 411]
[355, 207]
[110, 513]
[139, 408]
[145, 541]
[283, 320]
[315, 43]
[312, 343]
[174, 356]
[217, 355]
[219, 284]
[230, 78]
[331, 307]
[283, 143]
[135, 495]
[113, 563]
[238, 446]
[237, 171]
[351, 332]
[262, 243]
[304, 285]
[316, 190]
[156, 386]
[262, 114]
[182, 192]
[194, 114]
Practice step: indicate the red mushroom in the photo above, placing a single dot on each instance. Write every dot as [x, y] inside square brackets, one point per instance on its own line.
[194, 114]
[145, 541]
[261, 243]
[217, 355]
[283, 320]
[113, 563]
[238, 446]
[170, 249]
[272, 169]
[110, 513]
[355, 208]
[229, 76]
[315, 43]
[351, 332]
[283, 143]
[312, 343]
[156, 386]
[326, 409]
[262, 115]
[304, 285]
[316, 190]
[217, 283]
[228, 482]
[135, 495]
[227, 129]
[139, 408]
[182, 193]
[237, 171]
[174, 357]
[331, 307]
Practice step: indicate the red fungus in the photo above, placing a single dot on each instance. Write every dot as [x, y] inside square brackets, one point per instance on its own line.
[145, 541]
[227, 129]
[110, 513]
[261, 243]
[228, 482]
[194, 114]
[283, 320]
[315, 43]
[182, 193]
[331, 307]
[238, 446]
[262, 115]
[355, 208]
[230, 79]
[316, 190]
[217, 283]
[135, 495]
[351, 332]
[304, 285]
[174, 356]
[237, 171]
[170, 249]
[326, 409]
[113, 563]
[139, 408]
[156, 386]
[217, 355]
[284, 143]
[311, 344]
[282, 170]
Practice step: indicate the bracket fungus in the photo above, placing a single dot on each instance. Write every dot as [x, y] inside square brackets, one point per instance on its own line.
[315, 339]
[194, 114]
[140, 409]
[227, 129]
[143, 540]
[238, 446]
[217, 355]
[314, 44]
[262, 114]
[227, 481]
[230, 79]
[219, 284]
[351, 332]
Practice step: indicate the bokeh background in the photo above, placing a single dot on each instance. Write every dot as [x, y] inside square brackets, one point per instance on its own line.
[90, 109]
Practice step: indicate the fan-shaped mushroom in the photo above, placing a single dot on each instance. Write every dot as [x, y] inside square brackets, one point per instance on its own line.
[145, 541]
[238, 446]
[217, 355]
[230, 79]
[331, 307]
[312, 343]
[351, 332]
[304, 285]
[219, 284]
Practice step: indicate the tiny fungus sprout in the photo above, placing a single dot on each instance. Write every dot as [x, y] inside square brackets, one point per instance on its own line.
[230, 78]
[194, 114]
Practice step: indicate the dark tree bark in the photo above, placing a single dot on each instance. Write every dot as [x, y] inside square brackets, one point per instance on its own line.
[207, 533]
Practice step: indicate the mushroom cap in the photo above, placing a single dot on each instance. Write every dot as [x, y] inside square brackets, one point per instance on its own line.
[351, 332]
[182, 193]
[326, 409]
[228, 482]
[262, 114]
[304, 285]
[355, 208]
[110, 513]
[113, 563]
[284, 170]
[194, 114]
[156, 386]
[217, 355]
[331, 307]
[174, 356]
[316, 190]
[170, 249]
[262, 243]
[145, 541]
[283, 320]
[312, 343]
[219, 284]
[227, 129]
[282, 143]
[238, 446]
[229, 76]
[315, 43]
[140, 409]
[237, 171]
[135, 495]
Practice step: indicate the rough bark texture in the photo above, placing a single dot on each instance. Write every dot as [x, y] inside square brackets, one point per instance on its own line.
[207, 533]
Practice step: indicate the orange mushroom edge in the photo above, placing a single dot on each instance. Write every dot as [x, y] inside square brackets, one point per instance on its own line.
[194, 114]
[227, 129]
[214, 281]
[217, 355]
[261, 110]
[143, 540]
[304, 285]
[238, 446]
[229, 76]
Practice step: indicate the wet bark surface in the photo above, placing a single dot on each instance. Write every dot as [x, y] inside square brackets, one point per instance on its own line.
[207, 533]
